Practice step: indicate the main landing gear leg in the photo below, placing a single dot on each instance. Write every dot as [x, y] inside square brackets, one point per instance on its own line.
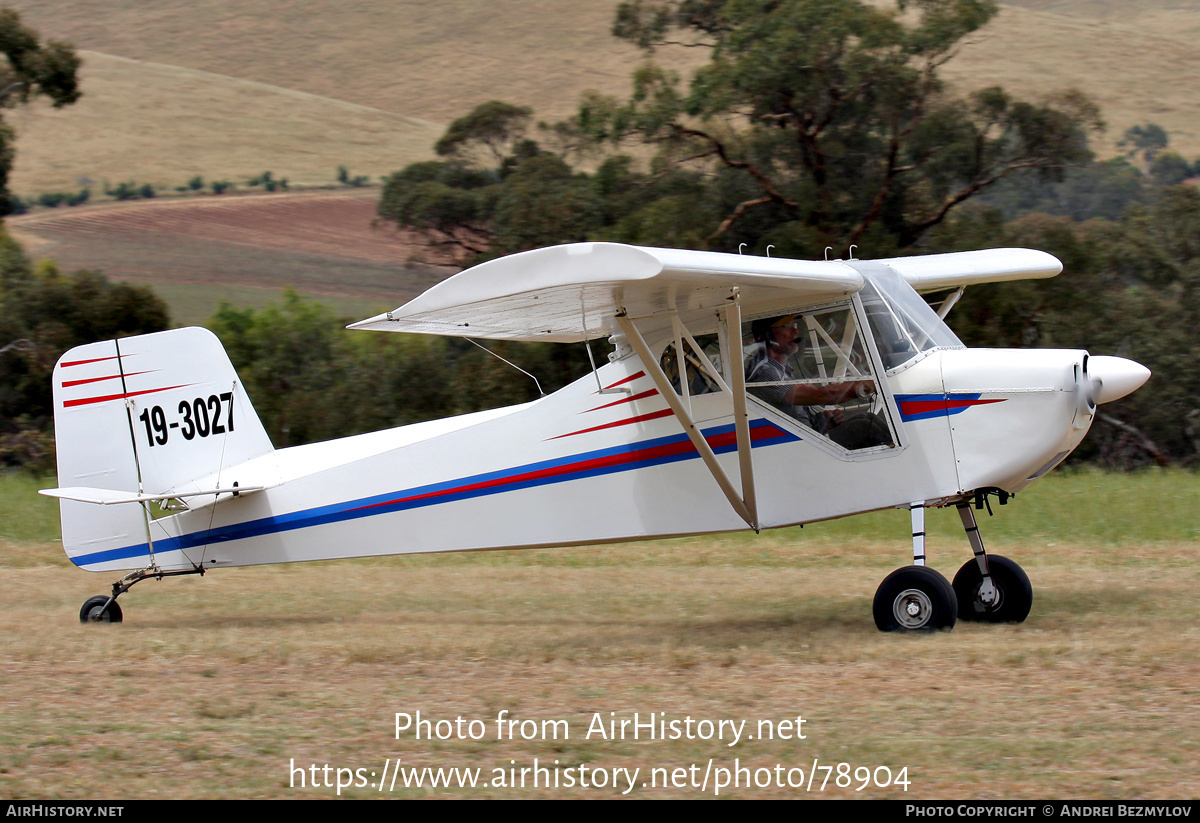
[990, 588]
[104, 609]
[915, 598]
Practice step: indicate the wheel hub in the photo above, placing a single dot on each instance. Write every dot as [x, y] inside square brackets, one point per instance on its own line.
[912, 608]
[984, 604]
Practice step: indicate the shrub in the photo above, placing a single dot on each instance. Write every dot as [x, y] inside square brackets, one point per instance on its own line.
[124, 191]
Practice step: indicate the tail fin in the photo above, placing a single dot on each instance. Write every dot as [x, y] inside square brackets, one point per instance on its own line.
[145, 415]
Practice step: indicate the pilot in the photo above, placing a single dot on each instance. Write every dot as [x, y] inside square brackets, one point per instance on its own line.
[778, 340]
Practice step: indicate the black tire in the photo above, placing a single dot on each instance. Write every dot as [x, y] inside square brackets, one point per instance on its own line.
[93, 611]
[915, 599]
[1013, 589]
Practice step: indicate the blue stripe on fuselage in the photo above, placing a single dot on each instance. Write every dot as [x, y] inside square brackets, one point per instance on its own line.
[543, 473]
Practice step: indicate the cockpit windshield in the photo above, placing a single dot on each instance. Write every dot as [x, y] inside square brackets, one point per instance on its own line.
[903, 324]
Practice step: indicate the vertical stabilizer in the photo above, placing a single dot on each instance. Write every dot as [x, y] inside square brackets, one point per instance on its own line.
[147, 415]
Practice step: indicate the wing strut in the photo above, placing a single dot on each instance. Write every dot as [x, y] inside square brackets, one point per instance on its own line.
[732, 315]
[743, 504]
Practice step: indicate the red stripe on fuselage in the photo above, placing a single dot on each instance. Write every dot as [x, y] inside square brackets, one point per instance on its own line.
[637, 419]
[941, 404]
[629, 399]
[622, 382]
[716, 441]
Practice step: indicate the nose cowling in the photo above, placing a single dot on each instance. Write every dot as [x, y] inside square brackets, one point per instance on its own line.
[1112, 378]
[1028, 408]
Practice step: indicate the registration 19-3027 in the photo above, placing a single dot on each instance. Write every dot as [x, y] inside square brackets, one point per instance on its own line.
[198, 418]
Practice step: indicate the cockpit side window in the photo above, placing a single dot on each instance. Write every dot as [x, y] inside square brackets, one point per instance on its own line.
[814, 367]
[696, 372]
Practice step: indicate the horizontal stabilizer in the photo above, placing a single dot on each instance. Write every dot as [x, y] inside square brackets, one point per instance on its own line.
[111, 497]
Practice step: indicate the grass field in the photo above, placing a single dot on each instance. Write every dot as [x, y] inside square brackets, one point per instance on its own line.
[216, 687]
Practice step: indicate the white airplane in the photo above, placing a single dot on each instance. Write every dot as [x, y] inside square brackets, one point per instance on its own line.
[744, 392]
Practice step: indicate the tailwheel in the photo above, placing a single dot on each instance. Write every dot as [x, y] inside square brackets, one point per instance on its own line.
[1011, 601]
[915, 599]
[98, 610]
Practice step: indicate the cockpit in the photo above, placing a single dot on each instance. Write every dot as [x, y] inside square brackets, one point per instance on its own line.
[816, 366]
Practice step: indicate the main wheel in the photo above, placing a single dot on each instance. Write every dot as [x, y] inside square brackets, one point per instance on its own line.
[1014, 593]
[93, 611]
[915, 599]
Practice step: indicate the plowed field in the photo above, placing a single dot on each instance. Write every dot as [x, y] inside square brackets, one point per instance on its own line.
[198, 251]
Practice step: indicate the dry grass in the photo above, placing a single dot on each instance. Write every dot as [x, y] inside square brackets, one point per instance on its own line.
[162, 124]
[213, 686]
[182, 112]
[428, 60]
[1136, 66]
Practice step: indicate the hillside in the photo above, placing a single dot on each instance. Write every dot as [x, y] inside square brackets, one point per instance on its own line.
[212, 87]
[1179, 19]
[421, 59]
[163, 124]
[1139, 67]
[433, 62]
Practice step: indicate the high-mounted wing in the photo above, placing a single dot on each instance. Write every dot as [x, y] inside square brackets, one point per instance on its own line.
[566, 294]
[930, 272]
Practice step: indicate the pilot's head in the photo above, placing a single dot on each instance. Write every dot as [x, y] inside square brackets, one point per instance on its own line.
[779, 333]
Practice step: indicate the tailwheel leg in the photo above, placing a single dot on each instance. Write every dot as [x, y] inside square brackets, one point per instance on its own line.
[990, 588]
[103, 608]
[915, 598]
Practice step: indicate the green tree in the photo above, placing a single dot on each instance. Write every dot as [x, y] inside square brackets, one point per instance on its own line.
[833, 113]
[446, 203]
[30, 69]
[1097, 189]
[1147, 141]
[1130, 287]
[543, 202]
[1169, 169]
[310, 380]
[496, 193]
[495, 127]
[44, 312]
